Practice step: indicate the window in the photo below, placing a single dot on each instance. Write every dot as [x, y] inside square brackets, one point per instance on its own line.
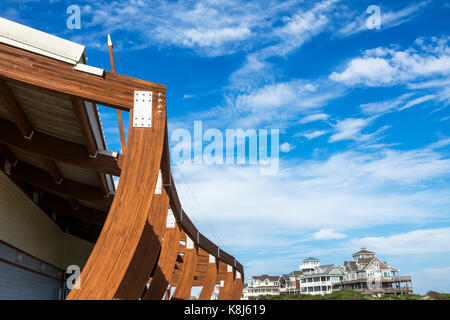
[275, 283]
[376, 264]
[266, 282]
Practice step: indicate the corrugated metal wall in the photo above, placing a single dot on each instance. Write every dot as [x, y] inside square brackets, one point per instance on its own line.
[24, 277]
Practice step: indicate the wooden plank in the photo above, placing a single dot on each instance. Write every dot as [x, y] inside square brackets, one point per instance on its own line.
[166, 264]
[146, 254]
[53, 148]
[53, 169]
[226, 289]
[115, 249]
[8, 154]
[113, 90]
[238, 286]
[210, 281]
[15, 110]
[83, 120]
[70, 188]
[81, 212]
[184, 285]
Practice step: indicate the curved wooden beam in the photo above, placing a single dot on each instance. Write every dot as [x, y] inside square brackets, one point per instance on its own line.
[105, 273]
[226, 285]
[210, 281]
[238, 286]
[184, 285]
[166, 262]
[146, 254]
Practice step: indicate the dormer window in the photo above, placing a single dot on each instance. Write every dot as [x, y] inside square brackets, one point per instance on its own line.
[376, 264]
[266, 282]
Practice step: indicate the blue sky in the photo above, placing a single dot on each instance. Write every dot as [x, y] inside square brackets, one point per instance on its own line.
[363, 116]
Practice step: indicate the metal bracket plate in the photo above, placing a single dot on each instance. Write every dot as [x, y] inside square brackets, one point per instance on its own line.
[142, 110]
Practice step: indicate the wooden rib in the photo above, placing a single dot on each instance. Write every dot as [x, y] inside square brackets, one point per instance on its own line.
[70, 188]
[210, 281]
[74, 203]
[83, 121]
[236, 292]
[15, 110]
[53, 169]
[79, 109]
[146, 254]
[184, 285]
[56, 149]
[112, 90]
[8, 154]
[113, 253]
[225, 291]
[166, 264]
[81, 212]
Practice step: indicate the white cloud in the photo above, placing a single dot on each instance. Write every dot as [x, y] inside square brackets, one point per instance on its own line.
[279, 103]
[388, 66]
[389, 19]
[400, 103]
[350, 129]
[286, 147]
[417, 242]
[311, 134]
[314, 117]
[417, 101]
[349, 190]
[327, 234]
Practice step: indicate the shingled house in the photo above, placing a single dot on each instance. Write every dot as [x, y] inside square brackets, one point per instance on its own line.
[368, 274]
[261, 286]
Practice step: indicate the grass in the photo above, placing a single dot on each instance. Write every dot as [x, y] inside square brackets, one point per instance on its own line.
[353, 295]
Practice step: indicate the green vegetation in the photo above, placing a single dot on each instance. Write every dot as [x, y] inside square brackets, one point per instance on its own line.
[353, 295]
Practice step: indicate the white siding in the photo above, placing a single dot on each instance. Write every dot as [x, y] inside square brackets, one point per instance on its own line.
[25, 226]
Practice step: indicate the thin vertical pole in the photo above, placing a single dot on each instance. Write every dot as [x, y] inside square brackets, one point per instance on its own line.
[119, 112]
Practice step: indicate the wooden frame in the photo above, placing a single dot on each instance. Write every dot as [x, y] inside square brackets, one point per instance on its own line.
[135, 246]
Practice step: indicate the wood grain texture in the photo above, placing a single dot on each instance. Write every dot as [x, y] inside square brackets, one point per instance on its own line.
[184, 285]
[166, 264]
[125, 226]
[210, 281]
[70, 188]
[57, 149]
[8, 100]
[146, 254]
[112, 90]
[238, 286]
[226, 289]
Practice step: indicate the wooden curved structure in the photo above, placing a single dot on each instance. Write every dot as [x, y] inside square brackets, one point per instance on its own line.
[144, 241]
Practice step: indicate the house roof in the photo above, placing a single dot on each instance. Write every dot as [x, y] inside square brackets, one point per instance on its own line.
[265, 276]
[363, 251]
[311, 259]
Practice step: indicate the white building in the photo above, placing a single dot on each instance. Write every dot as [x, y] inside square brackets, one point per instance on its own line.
[370, 275]
[261, 286]
[317, 279]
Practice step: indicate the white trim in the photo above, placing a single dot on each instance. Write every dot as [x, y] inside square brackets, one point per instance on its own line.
[89, 69]
[39, 42]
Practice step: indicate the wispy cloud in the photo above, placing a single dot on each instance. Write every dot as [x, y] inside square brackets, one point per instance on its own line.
[389, 19]
[384, 66]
